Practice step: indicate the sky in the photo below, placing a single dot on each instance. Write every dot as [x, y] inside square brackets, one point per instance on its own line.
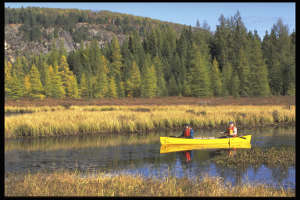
[256, 16]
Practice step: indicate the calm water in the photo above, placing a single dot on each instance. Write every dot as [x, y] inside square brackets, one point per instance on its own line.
[89, 156]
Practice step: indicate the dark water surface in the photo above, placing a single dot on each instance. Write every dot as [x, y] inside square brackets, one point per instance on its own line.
[90, 154]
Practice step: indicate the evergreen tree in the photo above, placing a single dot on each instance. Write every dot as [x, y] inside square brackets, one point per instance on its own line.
[136, 48]
[178, 70]
[36, 88]
[102, 79]
[54, 56]
[292, 67]
[172, 86]
[151, 43]
[83, 87]
[47, 86]
[276, 77]
[187, 84]
[92, 86]
[112, 90]
[17, 88]
[8, 78]
[27, 86]
[235, 86]
[94, 55]
[55, 83]
[227, 79]
[161, 83]
[284, 50]
[259, 74]
[133, 83]
[149, 82]
[19, 68]
[72, 87]
[116, 65]
[200, 83]
[239, 43]
[222, 40]
[42, 69]
[67, 78]
[216, 81]
[279, 58]
[244, 74]
[122, 89]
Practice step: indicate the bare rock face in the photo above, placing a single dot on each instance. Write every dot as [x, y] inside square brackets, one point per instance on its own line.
[16, 45]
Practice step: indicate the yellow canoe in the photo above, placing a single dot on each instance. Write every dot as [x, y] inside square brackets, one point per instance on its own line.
[167, 148]
[215, 141]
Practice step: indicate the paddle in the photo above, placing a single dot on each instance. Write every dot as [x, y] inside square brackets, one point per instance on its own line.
[240, 136]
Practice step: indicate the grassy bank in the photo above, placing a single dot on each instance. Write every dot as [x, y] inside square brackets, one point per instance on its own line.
[70, 184]
[76, 120]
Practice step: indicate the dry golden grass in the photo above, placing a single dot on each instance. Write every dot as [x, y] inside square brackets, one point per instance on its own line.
[103, 119]
[70, 184]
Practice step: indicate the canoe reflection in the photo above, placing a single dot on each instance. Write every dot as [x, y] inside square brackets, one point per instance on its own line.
[167, 148]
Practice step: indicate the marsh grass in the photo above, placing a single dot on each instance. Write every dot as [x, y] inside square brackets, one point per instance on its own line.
[283, 157]
[81, 120]
[66, 183]
[33, 109]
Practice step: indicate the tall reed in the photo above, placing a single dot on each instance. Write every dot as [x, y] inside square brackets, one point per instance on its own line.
[98, 119]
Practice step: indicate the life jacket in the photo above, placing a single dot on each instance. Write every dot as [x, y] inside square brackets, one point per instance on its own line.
[231, 130]
[187, 132]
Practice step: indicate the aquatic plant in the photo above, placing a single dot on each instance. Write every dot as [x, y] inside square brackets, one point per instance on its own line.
[271, 157]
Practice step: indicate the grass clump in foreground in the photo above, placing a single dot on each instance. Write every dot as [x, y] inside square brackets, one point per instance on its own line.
[70, 184]
[283, 157]
[119, 119]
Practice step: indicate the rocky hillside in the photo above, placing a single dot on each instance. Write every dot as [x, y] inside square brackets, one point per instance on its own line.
[102, 26]
[16, 45]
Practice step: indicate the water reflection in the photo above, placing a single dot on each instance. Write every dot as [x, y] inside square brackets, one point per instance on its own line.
[127, 154]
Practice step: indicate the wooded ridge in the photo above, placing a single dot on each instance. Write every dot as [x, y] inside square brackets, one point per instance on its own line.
[84, 54]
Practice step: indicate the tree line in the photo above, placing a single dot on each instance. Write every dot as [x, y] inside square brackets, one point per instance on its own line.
[194, 62]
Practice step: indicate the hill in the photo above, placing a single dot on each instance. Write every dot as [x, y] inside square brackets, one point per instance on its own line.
[33, 30]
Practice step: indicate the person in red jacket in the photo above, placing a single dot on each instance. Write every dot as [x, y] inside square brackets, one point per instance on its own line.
[187, 132]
